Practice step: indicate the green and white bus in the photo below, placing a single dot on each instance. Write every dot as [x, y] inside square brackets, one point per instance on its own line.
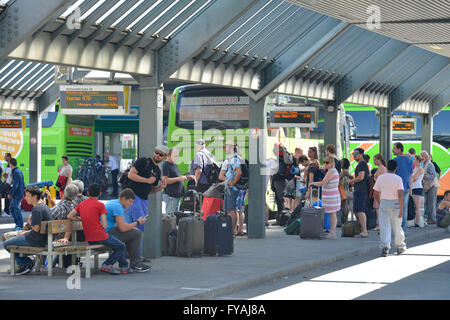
[69, 135]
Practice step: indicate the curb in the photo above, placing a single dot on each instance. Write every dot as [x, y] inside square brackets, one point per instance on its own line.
[251, 281]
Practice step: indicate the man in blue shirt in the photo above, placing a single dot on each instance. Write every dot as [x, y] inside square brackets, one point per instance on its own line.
[127, 233]
[16, 194]
[231, 172]
[405, 171]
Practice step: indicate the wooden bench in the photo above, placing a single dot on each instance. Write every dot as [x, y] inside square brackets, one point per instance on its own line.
[76, 249]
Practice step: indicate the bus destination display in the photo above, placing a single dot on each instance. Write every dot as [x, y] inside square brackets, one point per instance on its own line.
[305, 117]
[404, 125]
[12, 123]
[104, 100]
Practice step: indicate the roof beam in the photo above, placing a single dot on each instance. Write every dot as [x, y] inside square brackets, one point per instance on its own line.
[52, 94]
[417, 81]
[199, 33]
[19, 21]
[325, 32]
[440, 102]
[368, 69]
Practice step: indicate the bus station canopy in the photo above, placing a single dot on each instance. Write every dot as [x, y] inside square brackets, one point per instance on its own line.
[313, 48]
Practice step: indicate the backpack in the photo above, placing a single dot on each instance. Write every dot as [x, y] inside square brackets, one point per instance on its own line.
[124, 181]
[242, 183]
[213, 175]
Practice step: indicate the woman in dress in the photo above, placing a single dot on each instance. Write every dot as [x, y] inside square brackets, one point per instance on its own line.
[417, 189]
[331, 199]
[381, 164]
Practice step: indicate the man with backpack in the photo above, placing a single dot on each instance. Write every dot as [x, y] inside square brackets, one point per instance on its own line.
[231, 173]
[278, 181]
[204, 167]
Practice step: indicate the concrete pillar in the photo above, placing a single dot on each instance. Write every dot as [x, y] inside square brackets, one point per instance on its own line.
[150, 136]
[35, 147]
[331, 128]
[427, 133]
[386, 133]
[257, 170]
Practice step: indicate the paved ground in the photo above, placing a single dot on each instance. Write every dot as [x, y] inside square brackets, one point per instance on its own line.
[254, 261]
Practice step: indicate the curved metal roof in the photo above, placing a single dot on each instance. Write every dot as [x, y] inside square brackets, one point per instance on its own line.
[263, 46]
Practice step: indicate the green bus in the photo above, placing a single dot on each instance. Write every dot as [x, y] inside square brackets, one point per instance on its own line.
[216, 113]
[70, 135]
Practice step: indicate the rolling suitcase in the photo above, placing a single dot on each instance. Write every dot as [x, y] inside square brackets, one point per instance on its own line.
[190, 236]
[311, 226]
[191, 201]
[172, 243]
[219, 235]
[168, 223]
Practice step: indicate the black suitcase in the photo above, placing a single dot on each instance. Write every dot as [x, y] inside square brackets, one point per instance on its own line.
[311, 226]
[190, 237]
[218, 235]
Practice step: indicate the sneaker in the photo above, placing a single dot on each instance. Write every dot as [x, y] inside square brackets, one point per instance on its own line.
[140, 267]
[400, 251]
[25, 269]
[384, 252]
[18, 229]
[126, 270]
[143, 259]
[109, 269]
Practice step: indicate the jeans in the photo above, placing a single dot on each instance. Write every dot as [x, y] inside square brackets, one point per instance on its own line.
[172, 204]
[133, 240]
[389, 221]
[115, 183]
[230, 198]
[405, 210]
[430, 203]
[19, 241]
[16, 212]
[119, 251]
[279, 188]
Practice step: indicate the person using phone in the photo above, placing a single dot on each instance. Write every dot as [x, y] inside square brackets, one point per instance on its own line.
[174, 190]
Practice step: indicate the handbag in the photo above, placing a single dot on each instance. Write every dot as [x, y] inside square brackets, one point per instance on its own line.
[351, 228]
[61, 182]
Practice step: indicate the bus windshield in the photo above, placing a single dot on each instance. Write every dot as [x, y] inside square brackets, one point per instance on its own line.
[215, 108]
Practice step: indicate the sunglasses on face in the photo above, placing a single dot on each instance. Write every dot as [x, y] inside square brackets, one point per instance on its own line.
[160, 154]
[355, 153]
[326, 162]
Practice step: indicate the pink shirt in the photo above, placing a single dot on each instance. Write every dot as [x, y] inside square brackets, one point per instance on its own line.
[388, 185]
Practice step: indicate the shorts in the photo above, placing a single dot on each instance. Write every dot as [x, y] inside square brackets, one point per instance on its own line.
[240, 202]
[360, 201]
[231, 195]
[417, 192]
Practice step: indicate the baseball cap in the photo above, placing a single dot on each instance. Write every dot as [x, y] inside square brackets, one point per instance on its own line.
[162, 148]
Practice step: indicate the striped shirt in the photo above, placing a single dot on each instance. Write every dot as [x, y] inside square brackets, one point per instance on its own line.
[331, 198]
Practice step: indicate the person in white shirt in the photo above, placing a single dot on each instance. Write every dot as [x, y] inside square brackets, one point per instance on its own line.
[113, 165]
[388, 191]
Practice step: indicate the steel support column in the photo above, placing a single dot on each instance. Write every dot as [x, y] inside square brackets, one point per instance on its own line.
[331, 126]
[257, 169]
[385, 133]
[427, 132]
[150, 136]
[35, 147]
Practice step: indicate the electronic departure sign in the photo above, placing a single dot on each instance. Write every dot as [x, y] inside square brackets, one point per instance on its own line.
[301, 117]
[404, 125]
[13, 123]
[95, 99]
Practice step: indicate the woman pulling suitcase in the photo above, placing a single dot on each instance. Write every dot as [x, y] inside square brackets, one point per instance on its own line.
[331, 199]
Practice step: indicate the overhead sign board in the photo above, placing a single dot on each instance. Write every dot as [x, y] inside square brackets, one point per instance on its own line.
[300, 117]
[95, 99]
[404, 125]
[13, 123]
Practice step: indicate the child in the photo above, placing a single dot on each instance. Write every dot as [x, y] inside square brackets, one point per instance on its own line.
[316, 202]
[90, 212]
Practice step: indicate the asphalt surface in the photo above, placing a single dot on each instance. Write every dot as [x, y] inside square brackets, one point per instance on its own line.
[254, 262]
